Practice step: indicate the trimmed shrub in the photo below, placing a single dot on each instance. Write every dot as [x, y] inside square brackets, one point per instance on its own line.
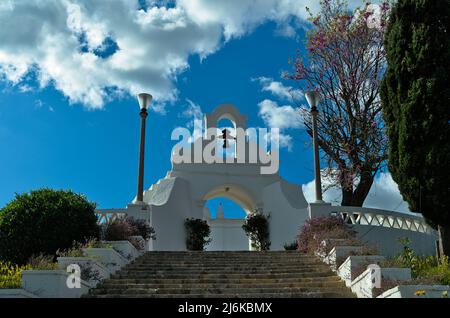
[256, 227]
[320, 229]
[44, 221]
[197, 234]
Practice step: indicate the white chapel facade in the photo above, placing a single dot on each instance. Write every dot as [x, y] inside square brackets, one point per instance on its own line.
[185, 189]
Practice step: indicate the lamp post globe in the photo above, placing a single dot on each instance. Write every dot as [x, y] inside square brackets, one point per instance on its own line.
[144, 100]
[313, 98]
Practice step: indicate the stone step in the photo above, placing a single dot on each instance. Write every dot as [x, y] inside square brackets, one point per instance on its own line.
[252, 268]
[222, 296]
[200, 270]
[248, 255]
[240, 274]
[226, 262]
[229, 275]
[222, 252]
[219, 257]
[216, 291]
[108, 286]
[274, 254]
[332, 278]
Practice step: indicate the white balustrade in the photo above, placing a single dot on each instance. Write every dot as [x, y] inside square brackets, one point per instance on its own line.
[377, 217]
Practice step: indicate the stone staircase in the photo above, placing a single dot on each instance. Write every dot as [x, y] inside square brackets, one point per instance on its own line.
[223, 275]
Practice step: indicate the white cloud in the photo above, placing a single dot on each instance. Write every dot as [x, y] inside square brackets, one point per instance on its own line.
[194, 112]
[282, 117]
[285, 141]
[241, 17]
[278, 89]
[63, 42]
[384, 194]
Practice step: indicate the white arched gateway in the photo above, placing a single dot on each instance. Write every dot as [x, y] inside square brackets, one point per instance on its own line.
[183, 192]
[185, 189]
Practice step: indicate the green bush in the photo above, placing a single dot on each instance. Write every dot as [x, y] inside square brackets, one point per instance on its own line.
[44, 221]
[42, 262]
[256, 226]
[197, 234]
[424, 269]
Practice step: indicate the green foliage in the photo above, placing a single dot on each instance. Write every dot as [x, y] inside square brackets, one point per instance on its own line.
[424, 269]
[74, 251]
[415, 98]
[44, 221]
[291, 246]
[11, 275]
[95, 243]
[256, 226]
[197, 234]
[42, 262]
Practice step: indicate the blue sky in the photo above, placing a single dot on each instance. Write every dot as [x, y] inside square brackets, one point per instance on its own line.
[71, 121]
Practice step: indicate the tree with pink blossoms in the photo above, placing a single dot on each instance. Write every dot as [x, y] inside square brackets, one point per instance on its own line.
[345, 62]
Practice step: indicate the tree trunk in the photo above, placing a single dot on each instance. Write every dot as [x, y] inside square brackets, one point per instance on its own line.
[347, 196]
[357, 197]
[362, 190]
[444, 240]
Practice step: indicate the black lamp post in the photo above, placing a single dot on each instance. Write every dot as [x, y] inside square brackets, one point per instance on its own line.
[144, 102]
[313, 99]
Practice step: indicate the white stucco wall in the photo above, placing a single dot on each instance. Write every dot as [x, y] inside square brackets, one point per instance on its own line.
[387, 240]
[187, 188]
[228, 235]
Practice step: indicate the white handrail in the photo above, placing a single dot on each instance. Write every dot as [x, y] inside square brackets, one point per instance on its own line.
[377, 217]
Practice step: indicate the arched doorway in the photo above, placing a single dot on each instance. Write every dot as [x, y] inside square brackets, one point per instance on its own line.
[225, 209]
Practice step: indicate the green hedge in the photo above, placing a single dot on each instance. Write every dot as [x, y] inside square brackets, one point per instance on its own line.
[43, 221]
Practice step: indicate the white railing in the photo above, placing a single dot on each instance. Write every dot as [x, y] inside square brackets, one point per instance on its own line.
[107, 216]
[377, 217]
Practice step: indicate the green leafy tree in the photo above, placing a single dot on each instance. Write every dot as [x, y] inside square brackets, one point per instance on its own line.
[416, 107]
[44, 221]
